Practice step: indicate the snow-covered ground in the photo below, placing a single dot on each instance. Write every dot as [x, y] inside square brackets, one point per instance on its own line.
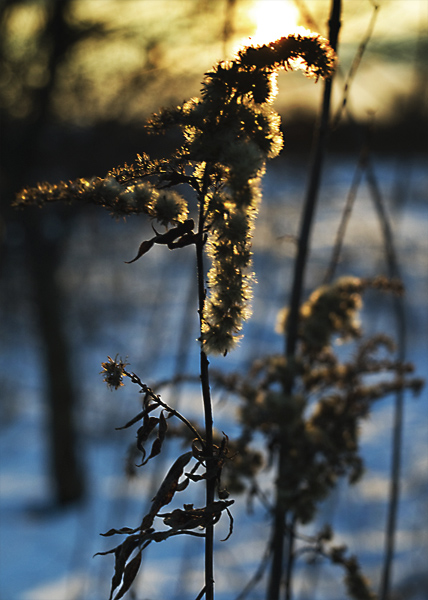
[138, 311]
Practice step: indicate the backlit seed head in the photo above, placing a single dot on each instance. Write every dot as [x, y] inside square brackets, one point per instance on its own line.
[113, 372]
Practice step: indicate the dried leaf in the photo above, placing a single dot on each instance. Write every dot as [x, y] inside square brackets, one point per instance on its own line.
[171, 235]
[163, 426]
[190, 517]
[230, 525]
[196, 477]
[184, 240]
[157, 444]
[148, 409]
[156, 449]
[183, 519]
[123, 530]
[144, 247]
[182, 229]
[113, 550]
[132, 421]
[198, 453]
[167, 489]
[143, 433]
[129, 575]
[182, 485]
[122, 553]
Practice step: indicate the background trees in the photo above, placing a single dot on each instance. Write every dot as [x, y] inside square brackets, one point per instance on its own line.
[64, 127]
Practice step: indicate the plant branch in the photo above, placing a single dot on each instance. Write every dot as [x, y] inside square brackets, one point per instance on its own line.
[318, 152]
[346, 215]
[257, 576]
[206, 394]
[290, 561]
[355, 65]
[135, 379]
[397, 434]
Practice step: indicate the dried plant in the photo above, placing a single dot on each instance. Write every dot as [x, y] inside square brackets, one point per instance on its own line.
[228, 135]
[317, 426]
[306, 403]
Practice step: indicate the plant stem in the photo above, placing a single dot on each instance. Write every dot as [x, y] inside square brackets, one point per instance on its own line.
[397, 434]
[318, 152]
[210, 486]
[290, 562]
[206, 396]
[157, 399]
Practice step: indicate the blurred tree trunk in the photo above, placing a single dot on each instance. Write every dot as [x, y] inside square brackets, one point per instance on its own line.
[43, 249]
[44, 261]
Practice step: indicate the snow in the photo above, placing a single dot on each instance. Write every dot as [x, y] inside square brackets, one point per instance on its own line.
[47, 554]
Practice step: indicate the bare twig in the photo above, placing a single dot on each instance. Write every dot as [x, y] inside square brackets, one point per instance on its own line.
[319, 146]
[157, 399]
[397, 434]
[258, 575]
[346, 215]
[290, 560]
[355, 65]
[305, 13]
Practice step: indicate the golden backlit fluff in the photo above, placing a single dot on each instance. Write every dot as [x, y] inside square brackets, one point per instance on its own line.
[229, 134]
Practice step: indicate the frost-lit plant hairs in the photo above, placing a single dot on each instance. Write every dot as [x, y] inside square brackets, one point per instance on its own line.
[228, 135]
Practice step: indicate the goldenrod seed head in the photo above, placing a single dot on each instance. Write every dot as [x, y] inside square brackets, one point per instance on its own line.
[170, 207]
[110, 188]
[113, 372]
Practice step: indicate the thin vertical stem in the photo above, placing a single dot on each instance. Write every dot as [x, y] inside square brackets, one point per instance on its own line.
[346, 215]
[228, 27]
[290, 562]
[318, 152]
[210, 485]
[397, 434]
[206, 395]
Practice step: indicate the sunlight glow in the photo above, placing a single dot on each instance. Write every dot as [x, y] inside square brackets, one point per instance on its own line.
[273, 19]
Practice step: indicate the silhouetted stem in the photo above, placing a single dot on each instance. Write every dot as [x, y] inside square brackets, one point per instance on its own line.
[290, 563]
[318, 152]
[206, 396]
[397, 435]
[157, 399]
[346, 215]
[355, 65]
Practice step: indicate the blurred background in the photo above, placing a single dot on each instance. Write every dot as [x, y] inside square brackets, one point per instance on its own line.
[78, 78]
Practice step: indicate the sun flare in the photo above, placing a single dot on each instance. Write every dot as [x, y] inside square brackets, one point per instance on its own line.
[273, 19]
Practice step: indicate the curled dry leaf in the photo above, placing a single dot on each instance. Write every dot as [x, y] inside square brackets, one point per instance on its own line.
[190, 517]
[143, 433]
[144, 247]
[122, 554]
[138, 417]
[179, 236]
[157, 444]
[122, 530]
[167, 489]
[149, 424]
[129, 574]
